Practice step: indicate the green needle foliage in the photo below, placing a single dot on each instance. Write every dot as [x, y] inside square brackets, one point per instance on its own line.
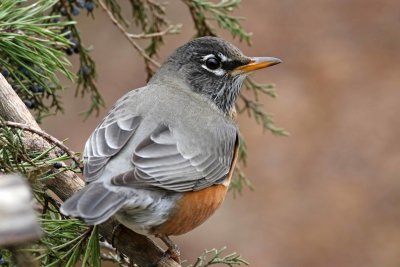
[214, 257]
[220, 12]
[31, 54]
[65, 242]
[37, 166]
[37, 39]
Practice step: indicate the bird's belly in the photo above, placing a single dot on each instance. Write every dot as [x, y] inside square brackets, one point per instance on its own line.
[147, 210]
[192, 210]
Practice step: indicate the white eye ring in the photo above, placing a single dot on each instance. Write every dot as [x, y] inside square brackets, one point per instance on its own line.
[218, 71]
[207, 57]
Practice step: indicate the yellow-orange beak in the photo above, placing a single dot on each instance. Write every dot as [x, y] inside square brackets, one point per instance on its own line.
[258, 63]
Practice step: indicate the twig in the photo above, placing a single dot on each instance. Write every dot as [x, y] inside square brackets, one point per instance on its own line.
[197, 263]
[154, 34]
[247, 101]
[46, 136]
[127, 35]
[106, 257]
[201, 24]
[106, 245]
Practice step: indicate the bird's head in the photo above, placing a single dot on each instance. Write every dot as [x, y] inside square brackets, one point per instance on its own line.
[213, 67]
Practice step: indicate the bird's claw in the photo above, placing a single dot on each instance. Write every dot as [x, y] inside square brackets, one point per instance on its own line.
[173, 251]
[173, 254]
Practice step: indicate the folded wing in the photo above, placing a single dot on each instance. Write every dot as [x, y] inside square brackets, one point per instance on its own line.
[162, 161]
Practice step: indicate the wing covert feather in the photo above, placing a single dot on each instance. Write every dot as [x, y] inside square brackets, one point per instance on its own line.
[160, 162]
[105, 142]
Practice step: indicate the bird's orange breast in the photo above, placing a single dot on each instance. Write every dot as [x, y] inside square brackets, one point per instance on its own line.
[195, 207]
[192, 210]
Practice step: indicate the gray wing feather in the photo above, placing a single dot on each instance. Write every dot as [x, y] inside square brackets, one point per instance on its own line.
[105, 142]
[94, 203]
[159, 162]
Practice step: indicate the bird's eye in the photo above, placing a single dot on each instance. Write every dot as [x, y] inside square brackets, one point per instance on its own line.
[212, 63]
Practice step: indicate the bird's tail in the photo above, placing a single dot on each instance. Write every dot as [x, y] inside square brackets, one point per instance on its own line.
[94, 204]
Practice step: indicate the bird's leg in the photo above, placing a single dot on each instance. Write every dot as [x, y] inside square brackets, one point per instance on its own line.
[173, 249]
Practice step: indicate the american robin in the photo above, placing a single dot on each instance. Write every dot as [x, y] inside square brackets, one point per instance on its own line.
[162, 159]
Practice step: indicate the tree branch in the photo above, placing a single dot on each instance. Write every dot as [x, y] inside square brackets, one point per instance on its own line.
[142, 250]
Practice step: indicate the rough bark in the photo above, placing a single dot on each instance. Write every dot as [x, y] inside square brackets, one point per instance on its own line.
[142, 250]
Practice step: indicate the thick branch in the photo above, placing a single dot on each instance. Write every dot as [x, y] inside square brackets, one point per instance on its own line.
[12, 108]
[142, 250]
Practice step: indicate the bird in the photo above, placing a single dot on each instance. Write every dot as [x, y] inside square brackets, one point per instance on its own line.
[162, 159]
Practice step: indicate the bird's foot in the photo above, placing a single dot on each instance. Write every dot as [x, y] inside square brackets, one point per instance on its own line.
[173, 251]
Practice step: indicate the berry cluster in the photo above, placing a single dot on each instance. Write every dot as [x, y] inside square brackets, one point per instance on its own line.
[68, 9]
[75, 7]
[24, 75]
[75, 47]
[5, 72]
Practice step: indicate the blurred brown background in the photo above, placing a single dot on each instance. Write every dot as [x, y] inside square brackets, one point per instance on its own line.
[329, 194]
